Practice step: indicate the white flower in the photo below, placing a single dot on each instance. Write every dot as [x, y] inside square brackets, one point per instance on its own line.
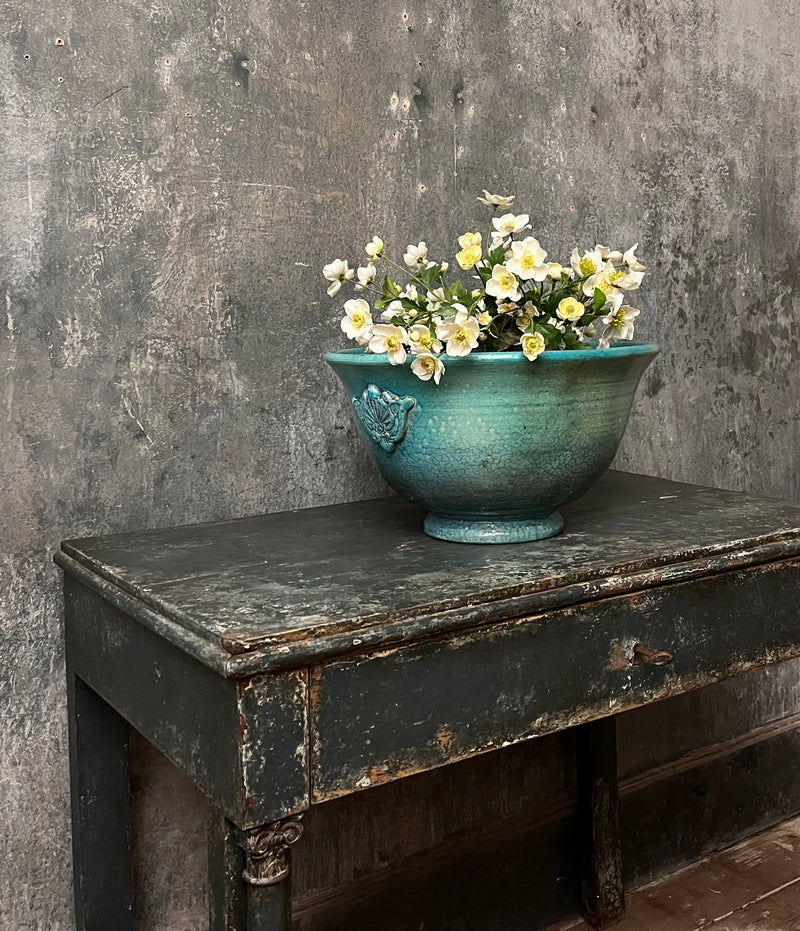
[470, 239]
[608, 255]
[461, 336]
[501, 201]
[338, 272]
[416, 256]
[421, 340]
[374, 249]
[617, 325]
[393, 310]
[570, 309]
[532, 345]
[526, 260]
[435, 299]
[508, 225]
[358, 322]
[366, 275]
[554, 270]
[389, 339]
[629, 281]
[462, 313]
[484, 318]
[588, 264]
[426, 366]
[631, 261]
[470, 250]
[603, 280]
[503, 285]
[506, 308]
[410, 292]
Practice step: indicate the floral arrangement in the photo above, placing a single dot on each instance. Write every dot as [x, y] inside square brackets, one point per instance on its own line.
[525, 302]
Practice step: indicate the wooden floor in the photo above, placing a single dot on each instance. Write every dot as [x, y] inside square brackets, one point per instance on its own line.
[753, 886]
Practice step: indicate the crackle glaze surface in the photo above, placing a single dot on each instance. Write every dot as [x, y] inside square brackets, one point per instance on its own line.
[502, 443]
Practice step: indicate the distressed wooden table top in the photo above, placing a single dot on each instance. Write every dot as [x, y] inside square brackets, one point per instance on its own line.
[288, 588]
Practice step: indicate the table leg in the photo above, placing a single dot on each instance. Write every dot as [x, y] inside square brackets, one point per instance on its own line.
[249, 875]
[268, 854]
[101, 825]
[602, 893]
[227, 893]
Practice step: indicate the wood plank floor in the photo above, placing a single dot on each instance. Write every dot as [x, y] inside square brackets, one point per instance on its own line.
[754, 886]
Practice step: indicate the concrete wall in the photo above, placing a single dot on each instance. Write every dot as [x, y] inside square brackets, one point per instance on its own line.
[175, 173]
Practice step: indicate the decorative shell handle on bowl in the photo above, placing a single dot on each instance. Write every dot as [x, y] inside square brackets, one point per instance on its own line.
[384, 416]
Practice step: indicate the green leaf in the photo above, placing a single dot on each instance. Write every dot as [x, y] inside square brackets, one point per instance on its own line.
[408, 304]
[552, 335]
[497, 255]
[390, 290]
[461, 294]
[599, 299]
[484, 272]
[430, 277]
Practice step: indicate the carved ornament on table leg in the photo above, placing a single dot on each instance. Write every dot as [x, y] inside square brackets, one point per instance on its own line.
[267, 851]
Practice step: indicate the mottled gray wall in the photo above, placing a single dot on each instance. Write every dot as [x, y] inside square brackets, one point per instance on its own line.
[173, 175]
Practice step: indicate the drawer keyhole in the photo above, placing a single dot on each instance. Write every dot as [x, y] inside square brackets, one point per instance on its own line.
[654, 658]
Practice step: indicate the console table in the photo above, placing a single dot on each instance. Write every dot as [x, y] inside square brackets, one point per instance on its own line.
[285, 660]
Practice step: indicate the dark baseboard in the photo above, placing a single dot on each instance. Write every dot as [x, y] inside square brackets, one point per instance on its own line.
[523, 874]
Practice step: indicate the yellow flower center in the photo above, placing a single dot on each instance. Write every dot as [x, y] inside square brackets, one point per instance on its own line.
[393, 343]
[358, 319]
[528, 260]
[587, 266]
[617, 321]
[616, 275]
[570, 309]
[605, 286]
[425, 340]
[505, 280]
[462, 336]
[428, 363]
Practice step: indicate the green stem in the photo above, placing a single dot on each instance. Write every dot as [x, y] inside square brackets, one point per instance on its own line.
[363, 287]
[407, 272]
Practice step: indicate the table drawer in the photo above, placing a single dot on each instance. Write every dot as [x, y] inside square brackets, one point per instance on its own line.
[391, 713]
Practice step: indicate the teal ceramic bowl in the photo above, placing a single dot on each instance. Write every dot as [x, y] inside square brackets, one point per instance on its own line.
[502, 443]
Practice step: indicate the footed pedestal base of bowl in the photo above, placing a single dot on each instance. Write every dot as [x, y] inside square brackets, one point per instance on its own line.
[497, 530]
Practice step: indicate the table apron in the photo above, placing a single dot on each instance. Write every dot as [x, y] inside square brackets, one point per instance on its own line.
[390, 713]
[243, 742]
